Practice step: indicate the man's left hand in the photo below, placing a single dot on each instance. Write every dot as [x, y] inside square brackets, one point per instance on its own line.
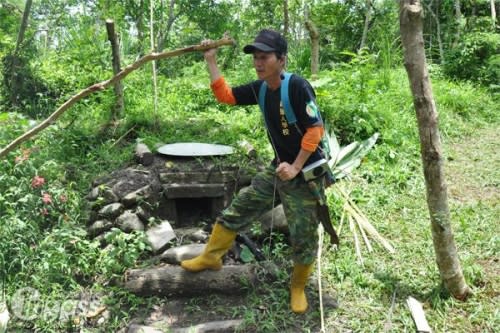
[286, 171]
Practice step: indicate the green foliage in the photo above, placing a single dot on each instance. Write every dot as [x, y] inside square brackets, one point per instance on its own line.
[342, 25]
[10, 19]
[23, 87]
[348, 96]
[475, 58]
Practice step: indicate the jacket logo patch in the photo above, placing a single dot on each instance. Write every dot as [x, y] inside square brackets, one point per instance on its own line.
[312, 110]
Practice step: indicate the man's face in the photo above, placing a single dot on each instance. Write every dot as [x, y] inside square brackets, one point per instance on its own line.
[267, 64]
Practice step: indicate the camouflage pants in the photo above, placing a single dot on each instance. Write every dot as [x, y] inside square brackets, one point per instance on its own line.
[299, 205]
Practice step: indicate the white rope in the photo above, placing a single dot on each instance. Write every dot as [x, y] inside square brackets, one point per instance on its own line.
[152, 40]
[320, 290]
[272, 214]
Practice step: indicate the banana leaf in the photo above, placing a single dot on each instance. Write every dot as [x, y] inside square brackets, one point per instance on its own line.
[344, 160]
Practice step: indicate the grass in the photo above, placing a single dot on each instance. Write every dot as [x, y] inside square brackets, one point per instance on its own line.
[52, 253]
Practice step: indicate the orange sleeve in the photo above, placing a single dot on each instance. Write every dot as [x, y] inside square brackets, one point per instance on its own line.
[222, 91]
[311, 138]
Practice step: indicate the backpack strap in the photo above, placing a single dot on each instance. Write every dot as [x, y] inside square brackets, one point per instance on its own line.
[285, 99]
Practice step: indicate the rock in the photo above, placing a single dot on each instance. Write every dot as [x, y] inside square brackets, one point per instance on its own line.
[274, 218]
[130, 180]
[94, 193]
[100, 226]
[177, 254]
[129, 222]
[103, 194]
[192, 234]
[132, 198]
[159, 236]
[111, 211]
[134, 328]
[220, 326]
[101, 239]
[143, 214]
[92, 216]
[108, 195]
[199, 236]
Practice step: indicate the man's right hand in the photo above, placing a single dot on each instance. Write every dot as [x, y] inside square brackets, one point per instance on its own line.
[210, 53]
[211, 60]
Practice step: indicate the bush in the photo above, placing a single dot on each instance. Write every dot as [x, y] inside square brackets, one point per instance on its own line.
[24, 89]
[475, 59]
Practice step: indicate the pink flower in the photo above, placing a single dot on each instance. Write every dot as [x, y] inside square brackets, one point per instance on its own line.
[46, 198]
[37, 181]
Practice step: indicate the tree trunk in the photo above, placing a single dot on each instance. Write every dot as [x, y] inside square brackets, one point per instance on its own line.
[430, 146]
[286, 19]
[139, 23]
[15, 79]
[493, 14]
[458, 19]
[24, 25]
[118, 86]
[438, 32]
[164, 33]
[174, 280]
[314, 34]
[367, 23]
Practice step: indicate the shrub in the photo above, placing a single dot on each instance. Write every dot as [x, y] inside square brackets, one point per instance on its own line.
[475, 59]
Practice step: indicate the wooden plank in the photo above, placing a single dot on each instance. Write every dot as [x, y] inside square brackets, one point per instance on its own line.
[174, 191]
[198, 177]
[418, 314]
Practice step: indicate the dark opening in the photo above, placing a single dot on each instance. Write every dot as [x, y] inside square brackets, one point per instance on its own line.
[193, 210]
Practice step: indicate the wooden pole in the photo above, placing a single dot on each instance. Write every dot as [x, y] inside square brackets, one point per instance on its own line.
[118, 86]
[153, 63]
[105, 84]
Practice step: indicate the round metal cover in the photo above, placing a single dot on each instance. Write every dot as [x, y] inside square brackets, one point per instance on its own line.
[194, 149]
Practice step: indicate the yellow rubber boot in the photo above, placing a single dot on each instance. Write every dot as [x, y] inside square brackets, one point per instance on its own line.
[298, 299]
[219, 243]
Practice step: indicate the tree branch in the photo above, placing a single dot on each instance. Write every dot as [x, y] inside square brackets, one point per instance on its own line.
[105, 84]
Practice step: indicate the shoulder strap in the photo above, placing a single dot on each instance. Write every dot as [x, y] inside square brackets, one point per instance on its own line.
[262, 96]
[285, 99]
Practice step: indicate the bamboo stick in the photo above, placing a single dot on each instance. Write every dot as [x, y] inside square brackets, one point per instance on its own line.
[363, 220]
[365, 238]
[356, 240]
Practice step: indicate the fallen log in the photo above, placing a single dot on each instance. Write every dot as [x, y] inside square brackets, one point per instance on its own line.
[174, 280]
[105, 84]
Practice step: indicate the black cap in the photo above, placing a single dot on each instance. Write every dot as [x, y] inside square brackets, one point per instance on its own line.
[267, 41]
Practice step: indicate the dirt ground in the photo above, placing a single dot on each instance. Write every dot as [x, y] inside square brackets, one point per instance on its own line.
[473, 177]
[473, 167]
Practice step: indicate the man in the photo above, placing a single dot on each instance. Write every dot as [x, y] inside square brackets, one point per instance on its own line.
[294, 148]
